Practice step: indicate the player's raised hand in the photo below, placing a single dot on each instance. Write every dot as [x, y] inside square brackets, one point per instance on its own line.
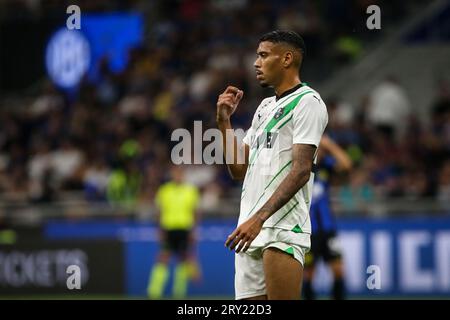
[228, 102]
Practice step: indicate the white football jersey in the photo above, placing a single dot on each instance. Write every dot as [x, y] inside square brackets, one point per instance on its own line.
[298, 116]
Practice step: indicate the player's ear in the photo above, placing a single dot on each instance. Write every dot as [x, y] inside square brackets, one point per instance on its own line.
[288, 59]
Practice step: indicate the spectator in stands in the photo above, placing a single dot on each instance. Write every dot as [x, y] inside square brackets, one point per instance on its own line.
[165, 87]
[443, 190]
[389, 108]
[125, 181]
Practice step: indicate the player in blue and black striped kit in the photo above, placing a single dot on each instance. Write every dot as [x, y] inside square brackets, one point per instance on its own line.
[324, 242]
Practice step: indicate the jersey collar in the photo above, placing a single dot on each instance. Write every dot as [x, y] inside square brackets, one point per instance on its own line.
[287, 92]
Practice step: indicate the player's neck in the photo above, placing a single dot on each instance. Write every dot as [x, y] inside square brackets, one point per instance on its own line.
[287, 85]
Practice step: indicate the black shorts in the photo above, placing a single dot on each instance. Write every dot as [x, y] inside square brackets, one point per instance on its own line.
[324, 245]
[176, 241]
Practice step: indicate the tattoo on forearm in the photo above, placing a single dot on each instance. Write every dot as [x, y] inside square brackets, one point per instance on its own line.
[298, 176]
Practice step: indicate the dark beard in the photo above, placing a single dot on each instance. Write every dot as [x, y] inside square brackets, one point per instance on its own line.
[264, 84]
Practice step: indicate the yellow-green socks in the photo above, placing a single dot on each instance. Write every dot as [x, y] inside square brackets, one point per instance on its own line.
[158, 279]
[181, 280]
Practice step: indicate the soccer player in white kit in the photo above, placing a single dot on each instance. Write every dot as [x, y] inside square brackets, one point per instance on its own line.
[280, 150]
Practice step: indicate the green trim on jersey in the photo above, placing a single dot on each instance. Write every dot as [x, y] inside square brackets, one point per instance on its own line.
[278, 173]
[292, 208]
[243, 193]
[254, 155]
[251, 164]
[264, 192]
[279, 104]
[285, 122]
[256, 204]
[288, 104]
[289, 107]
[262, 121]
[303, 84]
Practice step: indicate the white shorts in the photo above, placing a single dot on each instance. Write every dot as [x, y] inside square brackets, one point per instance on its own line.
[249, 278]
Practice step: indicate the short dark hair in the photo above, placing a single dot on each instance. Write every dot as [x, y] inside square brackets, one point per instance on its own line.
[290, 37]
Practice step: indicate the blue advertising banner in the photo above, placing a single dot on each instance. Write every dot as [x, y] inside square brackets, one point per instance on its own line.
[382, 258]
[412, 255]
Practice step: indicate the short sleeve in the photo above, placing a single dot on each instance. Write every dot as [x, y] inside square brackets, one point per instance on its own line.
[310, 118]
[248, 136]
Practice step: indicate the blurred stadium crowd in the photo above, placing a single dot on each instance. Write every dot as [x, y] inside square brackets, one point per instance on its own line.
[111, 142]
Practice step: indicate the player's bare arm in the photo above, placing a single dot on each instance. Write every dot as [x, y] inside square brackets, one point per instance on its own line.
[302, 161]
[327, 145]
[226, 106]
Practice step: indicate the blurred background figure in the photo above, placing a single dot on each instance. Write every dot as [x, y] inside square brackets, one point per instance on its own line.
[177, 204]
[7, 236]
[389, 108]
[125, 181]
[324, 241]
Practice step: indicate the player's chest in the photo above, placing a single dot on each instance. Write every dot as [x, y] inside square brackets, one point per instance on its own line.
[265, 113]
[269, 123]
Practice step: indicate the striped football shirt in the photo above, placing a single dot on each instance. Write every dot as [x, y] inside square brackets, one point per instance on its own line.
[298, 116]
